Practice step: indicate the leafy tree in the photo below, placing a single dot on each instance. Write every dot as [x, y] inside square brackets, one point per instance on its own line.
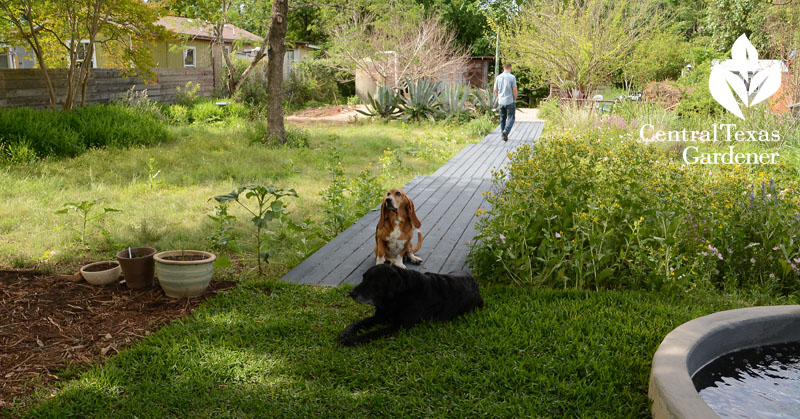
[52, 29]
[659, 57]
[726, 20]
[580, 44]
[467, 19]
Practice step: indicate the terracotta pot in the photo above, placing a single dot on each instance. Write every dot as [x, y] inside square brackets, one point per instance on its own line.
[103, 277]
[138, 269]
[184, 278]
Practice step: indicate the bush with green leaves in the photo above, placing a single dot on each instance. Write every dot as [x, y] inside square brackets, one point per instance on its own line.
[311, 84]
[188, 94]
[384, 105]
[177, 114]
[69, 133]
[253, 90]
[550, 110]
[207, 112]
[481, 126]
[590, 212]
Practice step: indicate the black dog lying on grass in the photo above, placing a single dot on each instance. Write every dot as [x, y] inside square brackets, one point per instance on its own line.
[403, 298]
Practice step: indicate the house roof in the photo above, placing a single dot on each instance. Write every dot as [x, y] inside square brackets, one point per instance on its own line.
[199, 29]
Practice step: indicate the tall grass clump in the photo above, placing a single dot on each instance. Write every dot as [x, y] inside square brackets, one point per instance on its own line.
[590, 212]
[69, 133]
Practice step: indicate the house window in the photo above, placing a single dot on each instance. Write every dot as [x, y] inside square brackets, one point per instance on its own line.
[227, 51]
[190, 57]
[6, 58]
[82, 51]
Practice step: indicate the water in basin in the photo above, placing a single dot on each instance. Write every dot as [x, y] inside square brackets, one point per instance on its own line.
[760, 382]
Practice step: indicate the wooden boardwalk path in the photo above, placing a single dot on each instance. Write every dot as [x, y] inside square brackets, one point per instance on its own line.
[445, 202]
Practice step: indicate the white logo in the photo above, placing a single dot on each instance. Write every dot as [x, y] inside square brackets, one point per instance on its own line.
[752, 81]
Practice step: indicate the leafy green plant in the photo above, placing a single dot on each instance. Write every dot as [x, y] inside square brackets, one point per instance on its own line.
[334, 195]
[84, 211]
[223, 236]
[153, 172]
[454, 98]
[136, 100]
[207, 112]
[605, 211]
[187, 95]
[484, 101]
[383, 105]
[481, 126]
[420, 101]
[177, 114]
[17, 152]
[269, 206]
[367, 191]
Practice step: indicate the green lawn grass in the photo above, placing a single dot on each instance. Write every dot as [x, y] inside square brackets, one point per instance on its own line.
[203, 161]
[267, 349]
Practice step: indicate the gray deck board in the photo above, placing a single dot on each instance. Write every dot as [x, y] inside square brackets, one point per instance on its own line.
[446, 203]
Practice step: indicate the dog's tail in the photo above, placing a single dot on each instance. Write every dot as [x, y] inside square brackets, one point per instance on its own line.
[419, 242]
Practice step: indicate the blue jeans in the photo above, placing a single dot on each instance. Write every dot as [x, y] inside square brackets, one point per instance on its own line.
[507, 116]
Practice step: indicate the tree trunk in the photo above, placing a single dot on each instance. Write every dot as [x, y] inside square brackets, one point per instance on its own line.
[277, 48]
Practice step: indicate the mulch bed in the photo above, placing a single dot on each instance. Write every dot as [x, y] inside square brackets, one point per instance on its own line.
[48, 322]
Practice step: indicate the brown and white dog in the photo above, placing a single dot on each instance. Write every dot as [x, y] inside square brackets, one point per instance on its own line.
[396, 229]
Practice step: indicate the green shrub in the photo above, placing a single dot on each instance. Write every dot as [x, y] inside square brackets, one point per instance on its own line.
[187, 95]
[481, 126]
[112, 125]
[69, 133]
[47, 133]
[207, 112]
[16, 153]
[177, 114]
[237, 110]
[254, 89]
[311, 81]
[593, 212]
[550, 110]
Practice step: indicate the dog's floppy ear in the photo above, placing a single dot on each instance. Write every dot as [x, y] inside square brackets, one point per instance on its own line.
[412, 213]
[383, 215]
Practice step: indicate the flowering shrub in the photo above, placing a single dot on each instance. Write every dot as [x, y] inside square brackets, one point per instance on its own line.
[594, 212]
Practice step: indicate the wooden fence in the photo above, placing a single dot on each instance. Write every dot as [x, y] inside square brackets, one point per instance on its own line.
[26, 87]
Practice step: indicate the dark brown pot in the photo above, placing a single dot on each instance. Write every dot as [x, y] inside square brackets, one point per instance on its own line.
[139, 269]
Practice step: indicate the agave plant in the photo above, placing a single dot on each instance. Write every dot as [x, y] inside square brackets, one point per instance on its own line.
[484, 101]
[454, 99]
[383, 105]
[420, 99]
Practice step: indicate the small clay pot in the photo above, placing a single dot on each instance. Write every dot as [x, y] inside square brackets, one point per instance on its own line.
[138, 266]
[96, 274]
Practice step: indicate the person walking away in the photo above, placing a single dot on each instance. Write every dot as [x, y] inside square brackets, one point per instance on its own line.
[505, 86]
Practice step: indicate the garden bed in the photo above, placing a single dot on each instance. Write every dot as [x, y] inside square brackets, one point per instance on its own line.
[48, 323]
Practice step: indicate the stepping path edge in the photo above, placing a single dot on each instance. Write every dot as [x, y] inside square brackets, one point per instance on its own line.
[446, 203]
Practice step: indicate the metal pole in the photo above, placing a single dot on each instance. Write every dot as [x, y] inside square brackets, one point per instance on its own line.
[497, 55]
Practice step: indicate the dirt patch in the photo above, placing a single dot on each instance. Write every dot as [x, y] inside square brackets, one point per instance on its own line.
[324, 111]
[48, 322]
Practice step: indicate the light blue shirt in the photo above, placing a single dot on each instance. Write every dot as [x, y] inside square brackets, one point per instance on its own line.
[505, 84]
